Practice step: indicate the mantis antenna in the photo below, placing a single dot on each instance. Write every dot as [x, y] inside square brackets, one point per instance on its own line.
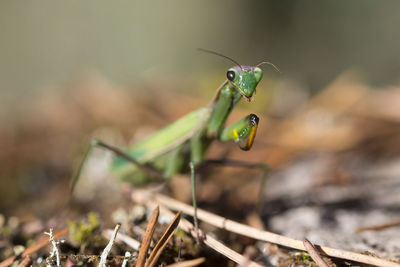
[221, 55]
[237, 63]
[268, 63]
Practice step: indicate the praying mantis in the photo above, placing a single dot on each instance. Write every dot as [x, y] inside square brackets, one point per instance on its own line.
[184, 143]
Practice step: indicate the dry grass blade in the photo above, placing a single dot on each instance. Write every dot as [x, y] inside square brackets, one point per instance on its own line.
[257, 234]
[188, 263]
[314, 254]
[379, 226]
[158, 249]
[33, 248]
[151, 226]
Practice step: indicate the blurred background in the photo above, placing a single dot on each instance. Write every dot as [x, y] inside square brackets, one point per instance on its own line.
[46, 44]
[70, 71]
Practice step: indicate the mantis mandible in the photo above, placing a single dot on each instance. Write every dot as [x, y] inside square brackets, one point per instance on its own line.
[169, 150]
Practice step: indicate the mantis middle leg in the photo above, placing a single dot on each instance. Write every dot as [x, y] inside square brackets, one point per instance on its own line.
[97, 143]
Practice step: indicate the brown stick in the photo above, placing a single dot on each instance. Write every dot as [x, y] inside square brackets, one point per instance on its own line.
[158, 249]
[151, 226]
[314, 253]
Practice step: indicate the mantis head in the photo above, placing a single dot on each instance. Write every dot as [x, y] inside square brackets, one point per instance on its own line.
[245, 79]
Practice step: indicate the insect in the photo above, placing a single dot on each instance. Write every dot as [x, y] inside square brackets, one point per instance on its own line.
[184, 142]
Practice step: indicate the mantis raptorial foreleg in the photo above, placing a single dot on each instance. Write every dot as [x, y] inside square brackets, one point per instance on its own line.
[243, 133]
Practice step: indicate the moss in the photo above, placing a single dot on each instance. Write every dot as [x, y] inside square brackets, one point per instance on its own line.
[84, 233]
[297, 259]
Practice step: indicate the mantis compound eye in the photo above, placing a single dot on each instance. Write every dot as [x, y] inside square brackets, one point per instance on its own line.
[230, 75]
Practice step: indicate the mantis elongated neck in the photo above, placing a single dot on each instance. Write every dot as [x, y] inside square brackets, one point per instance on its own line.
[225, 101]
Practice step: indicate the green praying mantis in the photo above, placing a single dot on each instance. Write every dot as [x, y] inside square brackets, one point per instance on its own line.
[184, 143]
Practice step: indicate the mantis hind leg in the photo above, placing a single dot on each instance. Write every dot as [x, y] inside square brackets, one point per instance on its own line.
[245, 164]
[98, 143]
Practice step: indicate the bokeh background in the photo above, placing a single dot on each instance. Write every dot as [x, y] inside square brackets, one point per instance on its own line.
[73, 70]
[46, 43]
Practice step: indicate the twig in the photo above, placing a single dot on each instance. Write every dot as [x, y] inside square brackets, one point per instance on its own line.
[257, 234]
[212, 242]
[103, 258]
[188, 263]
[151, 226]
[54, 243]
[126, 258]
[133, 243]
[188, 227]
[378, 226]
[314, 253]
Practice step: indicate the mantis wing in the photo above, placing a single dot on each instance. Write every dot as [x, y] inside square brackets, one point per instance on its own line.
[165, 139]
